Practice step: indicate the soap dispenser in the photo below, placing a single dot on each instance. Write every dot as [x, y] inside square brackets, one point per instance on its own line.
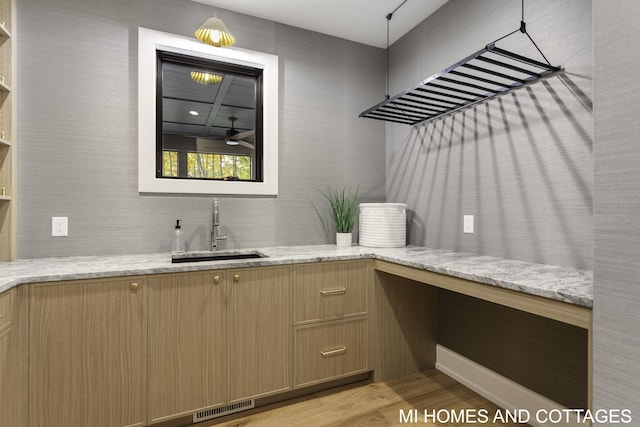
[177, 241]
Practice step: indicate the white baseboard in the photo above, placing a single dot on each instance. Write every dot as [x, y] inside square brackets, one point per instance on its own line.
[500, 390]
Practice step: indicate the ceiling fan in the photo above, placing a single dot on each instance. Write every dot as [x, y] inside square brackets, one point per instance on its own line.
[233, 137]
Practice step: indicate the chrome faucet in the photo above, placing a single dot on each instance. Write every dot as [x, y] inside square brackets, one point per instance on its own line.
[215, 222]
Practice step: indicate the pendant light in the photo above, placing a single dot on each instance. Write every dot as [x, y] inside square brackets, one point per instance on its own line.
[214, 32]
[206, 78]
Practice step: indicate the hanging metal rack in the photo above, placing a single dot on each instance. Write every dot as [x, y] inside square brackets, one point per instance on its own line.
[483, 75]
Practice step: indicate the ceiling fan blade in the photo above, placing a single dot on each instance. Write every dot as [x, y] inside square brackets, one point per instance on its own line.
[226, 140]
[247, 144]
[243, 135]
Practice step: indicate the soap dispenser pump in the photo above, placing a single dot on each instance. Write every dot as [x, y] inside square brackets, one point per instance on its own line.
[177, 242]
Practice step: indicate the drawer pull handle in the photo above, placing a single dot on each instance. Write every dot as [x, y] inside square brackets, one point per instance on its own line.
[216, 279]
[134, 287]
[334, 352]
[236, 277]
[329, 292]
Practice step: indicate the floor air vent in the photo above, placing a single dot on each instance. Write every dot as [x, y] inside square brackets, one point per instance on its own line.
[210, 414]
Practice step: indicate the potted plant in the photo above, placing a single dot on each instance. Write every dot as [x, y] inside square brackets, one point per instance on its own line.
[343, 202]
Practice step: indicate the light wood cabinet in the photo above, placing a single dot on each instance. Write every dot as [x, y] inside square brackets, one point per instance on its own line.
[146, 350]
[186, 343]
[87, 355]
[331, 321]
[8, 161]
[137, 351]
[260, 337]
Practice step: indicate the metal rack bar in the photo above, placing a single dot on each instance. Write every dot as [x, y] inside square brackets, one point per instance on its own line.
[480, 79]
[467, 84]
[493, 73]
[508, 66]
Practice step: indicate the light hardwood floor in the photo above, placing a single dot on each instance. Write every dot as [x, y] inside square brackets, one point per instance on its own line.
[377, 404]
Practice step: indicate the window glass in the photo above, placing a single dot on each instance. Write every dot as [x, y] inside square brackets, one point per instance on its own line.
[208, 110]
[169, 163]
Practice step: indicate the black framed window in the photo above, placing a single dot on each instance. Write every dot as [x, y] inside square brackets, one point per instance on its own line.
[208, 117]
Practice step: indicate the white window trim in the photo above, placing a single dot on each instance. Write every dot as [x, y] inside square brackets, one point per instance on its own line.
[148, 42]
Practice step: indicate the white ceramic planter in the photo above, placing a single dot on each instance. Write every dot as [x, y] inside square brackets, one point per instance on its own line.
[343, 240]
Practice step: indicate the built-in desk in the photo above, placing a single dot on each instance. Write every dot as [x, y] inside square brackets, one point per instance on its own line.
[410, 322]
[553, 309]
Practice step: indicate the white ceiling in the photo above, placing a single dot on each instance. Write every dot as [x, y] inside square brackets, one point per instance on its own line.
[362, 21]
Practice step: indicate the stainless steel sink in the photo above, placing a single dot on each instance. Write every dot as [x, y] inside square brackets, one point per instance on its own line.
[215, 256]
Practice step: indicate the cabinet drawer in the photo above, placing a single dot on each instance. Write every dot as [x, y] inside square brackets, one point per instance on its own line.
[5, 308]
[330, 351]
[329, 290]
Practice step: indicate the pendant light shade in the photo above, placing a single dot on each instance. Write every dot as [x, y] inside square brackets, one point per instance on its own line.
[206, 78]
[215, 33]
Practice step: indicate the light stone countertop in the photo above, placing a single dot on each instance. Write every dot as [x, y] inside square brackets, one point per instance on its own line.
[558, 283]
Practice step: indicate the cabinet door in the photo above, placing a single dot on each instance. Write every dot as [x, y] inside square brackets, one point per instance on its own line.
[87, 354]
[260, 332]
[187, 331]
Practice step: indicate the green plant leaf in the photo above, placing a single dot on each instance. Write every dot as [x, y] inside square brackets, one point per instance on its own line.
[343, 202]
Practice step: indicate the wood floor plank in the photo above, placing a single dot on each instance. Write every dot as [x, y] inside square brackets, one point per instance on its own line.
[375, 405]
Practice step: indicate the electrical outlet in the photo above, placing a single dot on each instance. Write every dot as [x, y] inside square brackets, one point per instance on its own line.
[467, 222]
[59, 226]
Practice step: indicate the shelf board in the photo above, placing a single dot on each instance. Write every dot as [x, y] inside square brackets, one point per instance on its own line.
[4, 87]
[5, 198]
[5, 143]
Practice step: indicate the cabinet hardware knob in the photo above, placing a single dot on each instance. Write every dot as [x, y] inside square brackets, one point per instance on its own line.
[216, 279]
[334, 352]
[134, 286]
[236, 277]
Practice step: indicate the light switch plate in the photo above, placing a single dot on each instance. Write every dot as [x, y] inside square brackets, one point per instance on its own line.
[468, 224]
[59, 226]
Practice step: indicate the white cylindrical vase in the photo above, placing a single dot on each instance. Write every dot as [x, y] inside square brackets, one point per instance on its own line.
[343, 240]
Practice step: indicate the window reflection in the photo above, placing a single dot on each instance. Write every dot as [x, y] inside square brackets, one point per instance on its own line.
[209, 119]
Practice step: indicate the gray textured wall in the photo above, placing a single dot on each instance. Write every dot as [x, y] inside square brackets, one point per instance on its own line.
[616, 367]
[521, 164]
[77, 127]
